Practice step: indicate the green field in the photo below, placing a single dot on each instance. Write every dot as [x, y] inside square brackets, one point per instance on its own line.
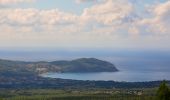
[69, 94]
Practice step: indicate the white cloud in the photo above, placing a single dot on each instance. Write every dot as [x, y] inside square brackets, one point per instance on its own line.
[159, 22]
[108, 13]
[107, 21]
[104, 20]
[32, 16]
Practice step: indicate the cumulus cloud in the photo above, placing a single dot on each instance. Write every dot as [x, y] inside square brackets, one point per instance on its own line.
[34, 16]
[159, 21]
[106, 20]
[110, 12]
[101, 20]
[101, 15]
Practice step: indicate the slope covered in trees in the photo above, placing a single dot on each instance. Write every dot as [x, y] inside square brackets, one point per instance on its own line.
[78, 65]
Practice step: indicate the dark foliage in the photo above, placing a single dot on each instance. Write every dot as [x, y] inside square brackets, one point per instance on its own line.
[163, 92]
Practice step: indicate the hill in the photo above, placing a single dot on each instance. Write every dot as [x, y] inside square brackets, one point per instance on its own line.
[78, 65]
[20, 74]
[85, 65]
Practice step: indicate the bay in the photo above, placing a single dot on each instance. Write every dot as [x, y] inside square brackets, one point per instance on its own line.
[128, 76]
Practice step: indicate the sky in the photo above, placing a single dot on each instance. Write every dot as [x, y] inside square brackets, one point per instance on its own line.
[85, 24]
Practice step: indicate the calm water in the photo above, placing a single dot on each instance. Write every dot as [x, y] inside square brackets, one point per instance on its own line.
[133, 65]
[130, 76]
[136, 69]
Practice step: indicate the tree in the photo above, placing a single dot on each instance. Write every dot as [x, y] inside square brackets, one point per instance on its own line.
[163, 92]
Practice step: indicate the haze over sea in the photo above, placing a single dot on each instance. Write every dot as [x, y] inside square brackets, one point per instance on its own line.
[132, 65]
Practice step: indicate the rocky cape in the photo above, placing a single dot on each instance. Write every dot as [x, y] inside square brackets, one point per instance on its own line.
[81, 65]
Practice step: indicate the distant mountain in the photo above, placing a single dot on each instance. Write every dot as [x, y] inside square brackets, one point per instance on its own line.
[85, 65]
[25, 75]
[78, 65]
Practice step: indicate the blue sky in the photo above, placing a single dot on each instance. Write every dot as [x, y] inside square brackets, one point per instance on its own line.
[84, 24]
[72, 6]
[64, 5]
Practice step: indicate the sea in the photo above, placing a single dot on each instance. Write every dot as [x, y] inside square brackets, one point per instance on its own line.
[133, 66]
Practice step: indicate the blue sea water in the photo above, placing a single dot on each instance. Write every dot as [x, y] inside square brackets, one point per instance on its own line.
[133, 65]
[128, 76]
[131, 69]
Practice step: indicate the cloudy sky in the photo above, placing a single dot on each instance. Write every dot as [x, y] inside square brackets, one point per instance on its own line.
[90, 24]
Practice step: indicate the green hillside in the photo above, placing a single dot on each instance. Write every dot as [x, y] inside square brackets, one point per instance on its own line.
[78, 65]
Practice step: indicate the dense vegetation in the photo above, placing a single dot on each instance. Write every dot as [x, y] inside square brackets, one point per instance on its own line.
[85, 65]
[80, 94]
[78, 65]
[16, 74]
[163, 92]
[87, 94]
[19, 81]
